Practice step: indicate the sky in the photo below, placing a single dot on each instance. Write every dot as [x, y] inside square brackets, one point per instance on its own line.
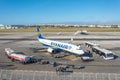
[59, 11]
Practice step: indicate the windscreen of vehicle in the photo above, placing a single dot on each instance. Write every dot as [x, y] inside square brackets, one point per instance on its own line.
[109, 55]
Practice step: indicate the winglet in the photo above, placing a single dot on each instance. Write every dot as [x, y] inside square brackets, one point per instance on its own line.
[71, 39]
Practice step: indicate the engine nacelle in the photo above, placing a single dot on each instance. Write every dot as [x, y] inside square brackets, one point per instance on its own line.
[50, 50]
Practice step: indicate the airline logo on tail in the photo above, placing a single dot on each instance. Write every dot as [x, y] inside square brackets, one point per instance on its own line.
[39, 34]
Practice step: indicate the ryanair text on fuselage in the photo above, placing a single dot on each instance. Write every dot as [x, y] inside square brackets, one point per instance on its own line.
[61, 45]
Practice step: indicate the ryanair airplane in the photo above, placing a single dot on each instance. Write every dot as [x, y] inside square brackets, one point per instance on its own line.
[55, 46]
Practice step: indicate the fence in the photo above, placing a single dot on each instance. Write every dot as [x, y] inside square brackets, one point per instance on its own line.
[46, 75]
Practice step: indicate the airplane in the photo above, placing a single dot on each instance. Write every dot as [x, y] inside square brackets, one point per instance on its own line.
[56, 46]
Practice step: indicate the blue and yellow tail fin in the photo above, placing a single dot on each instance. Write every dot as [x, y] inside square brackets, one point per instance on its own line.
[39, 33]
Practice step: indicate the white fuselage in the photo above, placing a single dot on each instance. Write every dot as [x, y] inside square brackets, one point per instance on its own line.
[63, 46]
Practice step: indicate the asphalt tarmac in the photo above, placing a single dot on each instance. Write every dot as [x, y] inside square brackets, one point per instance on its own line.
[27, 43]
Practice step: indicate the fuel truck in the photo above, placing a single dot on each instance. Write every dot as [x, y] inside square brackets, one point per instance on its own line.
[11, 54]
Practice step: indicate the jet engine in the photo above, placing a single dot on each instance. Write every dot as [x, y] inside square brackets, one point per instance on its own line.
[50, 50]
